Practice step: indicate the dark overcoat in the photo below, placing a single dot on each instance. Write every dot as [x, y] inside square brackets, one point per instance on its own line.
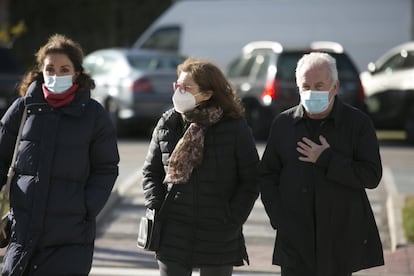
[66, 167]
[205, 219]
[323, 218]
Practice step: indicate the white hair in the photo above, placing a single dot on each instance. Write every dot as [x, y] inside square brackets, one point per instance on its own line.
[318, 58]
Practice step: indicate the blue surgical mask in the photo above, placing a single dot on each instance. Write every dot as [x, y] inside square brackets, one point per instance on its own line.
[314, 102]
[58, 84]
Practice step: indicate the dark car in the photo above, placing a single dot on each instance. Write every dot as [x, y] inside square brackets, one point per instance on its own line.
[11, 73]
[389, 85]
[135, 86]
[264, 76]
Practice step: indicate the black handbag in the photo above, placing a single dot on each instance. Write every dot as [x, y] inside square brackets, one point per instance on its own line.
[5, 224]
[149, 233]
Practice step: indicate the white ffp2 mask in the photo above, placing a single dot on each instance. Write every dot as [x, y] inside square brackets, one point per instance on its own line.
[183, 101]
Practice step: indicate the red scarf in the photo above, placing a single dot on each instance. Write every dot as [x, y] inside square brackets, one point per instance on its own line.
[59, 99]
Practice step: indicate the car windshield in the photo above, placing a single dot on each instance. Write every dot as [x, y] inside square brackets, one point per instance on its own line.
[288, 61]
[153, 62]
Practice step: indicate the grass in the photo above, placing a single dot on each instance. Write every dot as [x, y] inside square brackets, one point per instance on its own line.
[408, 219]
[391, 134]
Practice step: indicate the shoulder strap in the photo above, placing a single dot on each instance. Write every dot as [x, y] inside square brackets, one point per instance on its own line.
[10, 173]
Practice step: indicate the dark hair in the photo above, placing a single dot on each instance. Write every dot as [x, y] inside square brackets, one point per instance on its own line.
[60, 44]
[209, 77]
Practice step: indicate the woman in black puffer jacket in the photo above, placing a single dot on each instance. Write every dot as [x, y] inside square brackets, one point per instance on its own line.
[67, 163]
[205, 148]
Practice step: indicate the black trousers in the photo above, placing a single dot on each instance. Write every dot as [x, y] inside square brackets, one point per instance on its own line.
[177, 269]
[289, 271]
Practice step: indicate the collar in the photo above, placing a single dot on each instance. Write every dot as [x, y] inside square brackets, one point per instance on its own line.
[34, 96]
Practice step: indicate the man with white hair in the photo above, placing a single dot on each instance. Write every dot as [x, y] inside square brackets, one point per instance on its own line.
[320, 157]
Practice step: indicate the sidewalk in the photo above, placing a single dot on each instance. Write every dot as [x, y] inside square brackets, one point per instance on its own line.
[399, 256]
[104, 271]
[399, 259]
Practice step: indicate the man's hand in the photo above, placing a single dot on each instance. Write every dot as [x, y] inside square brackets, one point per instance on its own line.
[311, 151]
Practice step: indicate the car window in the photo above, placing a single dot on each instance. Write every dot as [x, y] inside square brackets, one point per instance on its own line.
[233, 67]
[408, 60]
[241, 66]
[89, 63]
[172, 62]
[104, 63]
[164, 38]
[262, 62]
[346, 68]
[394, 62]
[247, 66]
[142, 62]
[287, 63]
[153, 62]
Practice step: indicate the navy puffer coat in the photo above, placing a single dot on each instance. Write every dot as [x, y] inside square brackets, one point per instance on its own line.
[66, 166]
[204, 221]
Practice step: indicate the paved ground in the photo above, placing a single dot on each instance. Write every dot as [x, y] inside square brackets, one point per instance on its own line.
[119, 228]
[116, 253]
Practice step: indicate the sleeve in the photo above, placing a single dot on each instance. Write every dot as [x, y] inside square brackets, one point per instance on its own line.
[362, 168]
[153, 172]
[270, 167]
[104, 159]
[9, 127]
[247, 165]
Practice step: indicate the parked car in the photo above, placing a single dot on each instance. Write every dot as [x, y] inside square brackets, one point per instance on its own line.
[264, 76]
[389, 84]
[11, 73]
[135, 86]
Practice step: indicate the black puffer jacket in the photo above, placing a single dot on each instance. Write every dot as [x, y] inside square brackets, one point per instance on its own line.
[66, 167]
[204, 225]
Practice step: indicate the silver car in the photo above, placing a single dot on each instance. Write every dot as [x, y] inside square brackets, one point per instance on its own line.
[135, 86]
[389, 84]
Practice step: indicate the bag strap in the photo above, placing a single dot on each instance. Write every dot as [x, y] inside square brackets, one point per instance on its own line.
[10, 173]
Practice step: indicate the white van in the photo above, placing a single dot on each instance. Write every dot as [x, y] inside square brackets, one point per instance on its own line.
[218, 29]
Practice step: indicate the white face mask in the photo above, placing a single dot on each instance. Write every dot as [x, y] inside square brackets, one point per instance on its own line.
[183, 101]
[58, 84]
[314, 101]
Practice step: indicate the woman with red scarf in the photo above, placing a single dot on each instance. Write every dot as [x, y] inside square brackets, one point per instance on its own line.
[66, 166]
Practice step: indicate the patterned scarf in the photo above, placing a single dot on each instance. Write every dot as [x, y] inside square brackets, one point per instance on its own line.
[188, 152]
